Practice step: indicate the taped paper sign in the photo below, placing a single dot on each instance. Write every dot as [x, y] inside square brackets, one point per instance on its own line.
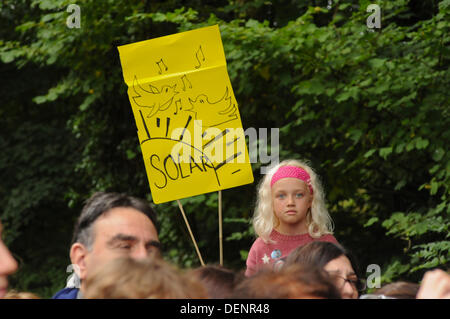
[186, 114]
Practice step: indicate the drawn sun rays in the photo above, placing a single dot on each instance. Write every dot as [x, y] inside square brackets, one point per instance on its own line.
[170, 112]
[213, 145]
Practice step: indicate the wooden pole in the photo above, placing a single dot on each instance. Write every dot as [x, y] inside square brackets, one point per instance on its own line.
[220, 229]
[190, 232]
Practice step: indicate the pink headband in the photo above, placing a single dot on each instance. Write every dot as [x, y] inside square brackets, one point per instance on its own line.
[294, 172]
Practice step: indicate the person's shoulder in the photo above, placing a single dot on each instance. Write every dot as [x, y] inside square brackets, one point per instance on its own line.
[66, 293]
[258, 243]
[258, 246]
[328, 238]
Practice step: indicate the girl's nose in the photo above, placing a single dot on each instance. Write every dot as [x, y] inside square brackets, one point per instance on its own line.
[291, 200]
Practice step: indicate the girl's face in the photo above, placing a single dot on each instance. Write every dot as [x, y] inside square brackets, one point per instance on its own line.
[291, 201]
[344, 276]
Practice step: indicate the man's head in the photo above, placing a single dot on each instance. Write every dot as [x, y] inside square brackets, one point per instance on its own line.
[290, 282]
[113, 225]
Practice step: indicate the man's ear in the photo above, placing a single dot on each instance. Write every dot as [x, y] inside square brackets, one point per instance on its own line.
[78, 254]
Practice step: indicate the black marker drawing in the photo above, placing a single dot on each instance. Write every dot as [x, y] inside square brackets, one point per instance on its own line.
[216, 138]
[184, 79]
[153, 98]
[184, 83]
[158, 123]
[167, 125]
[213, 113]
[177, 106]
[158, 63]
[234, 141]
[145, 125]
[229, 159]
[185, 127]
[205, 162]
[199, 60]
[166, 106]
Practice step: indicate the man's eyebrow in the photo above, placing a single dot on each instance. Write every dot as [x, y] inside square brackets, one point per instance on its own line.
[121, 237]
[124, 237]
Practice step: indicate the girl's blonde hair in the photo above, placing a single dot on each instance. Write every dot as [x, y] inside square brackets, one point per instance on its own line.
[264, 220]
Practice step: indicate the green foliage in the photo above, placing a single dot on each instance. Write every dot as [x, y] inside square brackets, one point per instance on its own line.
[369, 108]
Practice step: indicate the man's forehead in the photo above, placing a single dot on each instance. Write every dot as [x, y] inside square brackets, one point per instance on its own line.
[120, 237]
[127, 221]
[124, 216]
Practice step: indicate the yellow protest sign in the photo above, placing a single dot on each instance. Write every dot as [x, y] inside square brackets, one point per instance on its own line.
[187, 117]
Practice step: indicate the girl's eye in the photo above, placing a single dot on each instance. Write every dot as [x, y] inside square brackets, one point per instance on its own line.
[281, 196]
[299, 195]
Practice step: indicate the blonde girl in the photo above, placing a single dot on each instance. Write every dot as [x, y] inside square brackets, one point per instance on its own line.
[290, 212]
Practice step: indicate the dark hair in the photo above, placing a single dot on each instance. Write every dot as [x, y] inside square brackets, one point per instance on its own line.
[100, 203]
[320, 253]
[218, 280]
[290, 282]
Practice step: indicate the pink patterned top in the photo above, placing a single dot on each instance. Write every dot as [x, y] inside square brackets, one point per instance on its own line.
[263, 255]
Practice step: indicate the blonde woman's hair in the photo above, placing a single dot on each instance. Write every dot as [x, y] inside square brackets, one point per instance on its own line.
[319, 221]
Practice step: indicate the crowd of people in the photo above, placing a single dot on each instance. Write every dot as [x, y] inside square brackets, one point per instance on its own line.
[116, 253]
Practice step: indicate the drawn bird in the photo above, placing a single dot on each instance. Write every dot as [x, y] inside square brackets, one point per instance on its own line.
[156, 100]
[213, 113]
